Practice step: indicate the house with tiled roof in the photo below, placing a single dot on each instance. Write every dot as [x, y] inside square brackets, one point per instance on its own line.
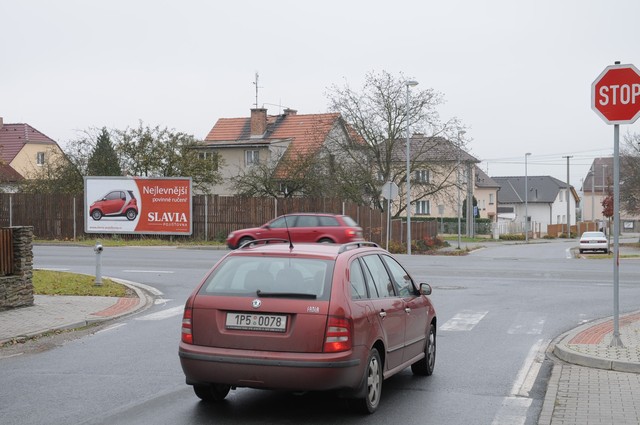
[545, 201]
[26, 150]
[442, 172]
[486, 193]
[241, 143]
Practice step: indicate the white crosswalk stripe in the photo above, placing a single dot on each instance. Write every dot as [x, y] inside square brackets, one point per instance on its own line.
[163, 314]
[527, 323]
[463, 321]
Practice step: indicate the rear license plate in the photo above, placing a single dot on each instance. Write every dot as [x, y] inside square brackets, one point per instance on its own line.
[257, 322]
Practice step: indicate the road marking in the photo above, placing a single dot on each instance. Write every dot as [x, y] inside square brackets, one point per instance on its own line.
[150, 271]
[513, 411]
[528, 324]
[568, 253]
[147, 288]
[529, 371]
[463, 321]
[110, 328]
[162, 301]
[515, 406]
[163, 314]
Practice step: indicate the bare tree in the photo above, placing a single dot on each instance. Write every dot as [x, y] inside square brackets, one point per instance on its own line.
[630, 174]
[281, 176]
[377, 118]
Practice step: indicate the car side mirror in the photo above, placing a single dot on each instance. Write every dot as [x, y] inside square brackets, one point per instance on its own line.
[425, 289]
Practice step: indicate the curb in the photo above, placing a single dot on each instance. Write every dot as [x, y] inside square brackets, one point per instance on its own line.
[562, 351]
[145, 296]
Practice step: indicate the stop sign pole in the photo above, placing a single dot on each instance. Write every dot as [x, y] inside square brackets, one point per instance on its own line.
[615, 97]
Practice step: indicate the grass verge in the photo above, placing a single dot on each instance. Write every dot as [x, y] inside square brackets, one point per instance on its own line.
[48, 282]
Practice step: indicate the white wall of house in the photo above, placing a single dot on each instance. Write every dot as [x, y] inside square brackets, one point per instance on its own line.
[543, 213]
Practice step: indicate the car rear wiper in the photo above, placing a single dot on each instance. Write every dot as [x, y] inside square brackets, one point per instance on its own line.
[285, 295]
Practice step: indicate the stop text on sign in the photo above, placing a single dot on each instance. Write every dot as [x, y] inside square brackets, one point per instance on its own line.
[619, 94]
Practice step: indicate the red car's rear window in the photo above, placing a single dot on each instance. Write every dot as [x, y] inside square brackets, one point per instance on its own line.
[246, 275]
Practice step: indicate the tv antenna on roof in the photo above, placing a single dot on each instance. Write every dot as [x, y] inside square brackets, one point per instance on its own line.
[255, 83]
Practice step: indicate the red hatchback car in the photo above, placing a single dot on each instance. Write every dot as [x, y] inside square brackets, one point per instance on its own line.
[301, 227]
[115, 203]
[307, 317]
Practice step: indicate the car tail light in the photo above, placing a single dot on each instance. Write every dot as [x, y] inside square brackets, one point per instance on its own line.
[187, 335]
[352, 233]
[338, 335]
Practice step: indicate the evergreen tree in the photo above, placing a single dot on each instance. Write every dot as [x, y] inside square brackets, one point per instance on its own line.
[104, 160]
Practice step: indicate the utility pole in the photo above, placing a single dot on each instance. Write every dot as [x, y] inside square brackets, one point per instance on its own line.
[568, 199]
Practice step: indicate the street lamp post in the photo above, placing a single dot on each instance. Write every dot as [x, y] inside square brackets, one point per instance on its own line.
[408, 84]
[604, 169]
[460, 134]
[526, 199]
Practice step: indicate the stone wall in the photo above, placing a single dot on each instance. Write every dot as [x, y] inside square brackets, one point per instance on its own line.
[16, 290]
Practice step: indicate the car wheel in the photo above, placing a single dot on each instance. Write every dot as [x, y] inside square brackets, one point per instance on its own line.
[96, 215]
[606, 251]
[212, 392]
[582, 251]
[372, 383]
[244, 240]
[426, 365]
[131, 214]
[325, 240]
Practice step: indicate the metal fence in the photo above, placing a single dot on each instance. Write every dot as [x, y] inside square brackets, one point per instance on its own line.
[61, 217]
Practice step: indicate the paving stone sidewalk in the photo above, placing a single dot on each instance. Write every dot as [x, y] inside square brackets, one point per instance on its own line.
[591, 382]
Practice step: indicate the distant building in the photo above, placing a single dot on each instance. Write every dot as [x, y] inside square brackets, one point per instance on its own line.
[546, 202]
[26, 151]
[244, 142]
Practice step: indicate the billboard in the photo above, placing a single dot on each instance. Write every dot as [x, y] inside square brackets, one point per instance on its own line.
[160, 206]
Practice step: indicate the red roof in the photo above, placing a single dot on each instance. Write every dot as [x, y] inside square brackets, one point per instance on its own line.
[307, 132]
[8, 174]
[13, 137]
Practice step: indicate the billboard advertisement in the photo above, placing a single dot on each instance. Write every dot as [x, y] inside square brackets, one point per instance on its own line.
[160, 206]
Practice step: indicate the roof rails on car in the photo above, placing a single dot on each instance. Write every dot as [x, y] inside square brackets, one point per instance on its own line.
[263, 241]
[351, 245]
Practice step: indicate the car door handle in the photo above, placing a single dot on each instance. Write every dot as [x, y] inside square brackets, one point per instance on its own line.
[383, 314]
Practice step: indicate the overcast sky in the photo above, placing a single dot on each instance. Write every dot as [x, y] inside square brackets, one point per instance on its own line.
[517, 73]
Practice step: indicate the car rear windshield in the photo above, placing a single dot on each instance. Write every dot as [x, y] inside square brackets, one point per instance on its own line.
[272, 277]
[349, 221]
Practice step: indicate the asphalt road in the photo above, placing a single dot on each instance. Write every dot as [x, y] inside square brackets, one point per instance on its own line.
[498, 308]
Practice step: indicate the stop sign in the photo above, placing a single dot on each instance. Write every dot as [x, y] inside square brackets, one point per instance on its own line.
[615, 94]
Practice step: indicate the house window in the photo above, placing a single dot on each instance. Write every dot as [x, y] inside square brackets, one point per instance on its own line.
[380, 176]
[491, 199]
[40, 158]
[210, 156]
[561, 196]
[251, 158]
[422, 176]
[423, 208]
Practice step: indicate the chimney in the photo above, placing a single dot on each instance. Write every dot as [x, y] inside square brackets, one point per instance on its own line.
[258, 121]
[0, 123]
[289, 111]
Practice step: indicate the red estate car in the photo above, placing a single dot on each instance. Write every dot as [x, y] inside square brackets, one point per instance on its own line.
[307, 317]
[301, 227]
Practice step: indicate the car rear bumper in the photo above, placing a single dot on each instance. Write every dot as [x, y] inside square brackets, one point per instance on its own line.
[594, 246]
[284, 371]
